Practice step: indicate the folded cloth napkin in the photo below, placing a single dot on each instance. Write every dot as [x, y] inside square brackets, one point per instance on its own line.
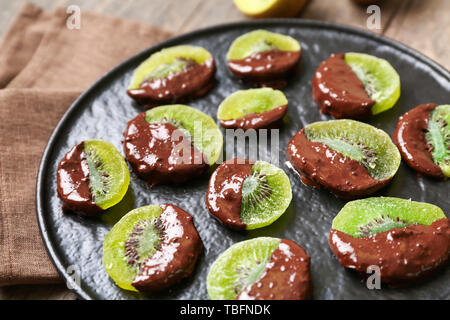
[44, 66]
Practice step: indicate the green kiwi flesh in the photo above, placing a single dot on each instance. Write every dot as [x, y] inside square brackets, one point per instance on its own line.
[238, 266]
[201, 128]
[266, 194]
[244, 102]
[381, 81]
[167, 61]
[109, 177]
[362, 218]
[438, 136]
[139, 226]
[371, 147]
[259, 41]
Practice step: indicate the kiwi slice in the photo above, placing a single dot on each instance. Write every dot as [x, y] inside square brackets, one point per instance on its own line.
[138, 231]
[266, 194]
[259, 41]
[381, 81]
[240, 265]
[366, 217]
[371, 147]
[108, 173]
[438, 137]
[244, 102]
[151, 248]
[168, 61]
[201, 128]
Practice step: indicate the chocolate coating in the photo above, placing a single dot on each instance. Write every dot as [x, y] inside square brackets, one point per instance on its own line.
[161, 153]
[192, 82]
[73, 183]
[404, 255]
[264, 120]
[177, 254]
[409, 137]
[266, 69]
[224, 195]
[318, 165]
[339, 92]
[286, 276]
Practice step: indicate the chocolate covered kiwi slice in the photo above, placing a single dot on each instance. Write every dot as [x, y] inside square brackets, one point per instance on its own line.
[407, 240]
[253, 109]
[355, 85]
[246, 195]
[263, 58]
[92, 177]
[423, 138]
[172, 144]
[151, 248]
[350, 158]
[261, 269]
[172, 75]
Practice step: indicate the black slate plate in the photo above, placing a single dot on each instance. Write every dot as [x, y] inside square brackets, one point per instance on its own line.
[103, 111]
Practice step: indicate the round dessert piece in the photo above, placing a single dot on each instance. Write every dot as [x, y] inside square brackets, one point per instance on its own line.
[270, 8]
[92, 177]
[253, 109]
[261, 269]
[151, 248]
[349, 158]
[264, 58]
[174, 74]
[355, 86]
[423, 138]
[407, 240]
[246, 195]
[172, 144]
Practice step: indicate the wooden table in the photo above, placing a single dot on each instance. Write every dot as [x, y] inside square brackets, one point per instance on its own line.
[421, 24]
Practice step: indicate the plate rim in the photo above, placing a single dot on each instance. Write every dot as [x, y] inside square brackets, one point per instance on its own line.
[261, 23]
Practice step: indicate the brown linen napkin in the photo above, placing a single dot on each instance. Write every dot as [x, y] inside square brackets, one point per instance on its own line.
[44, 66]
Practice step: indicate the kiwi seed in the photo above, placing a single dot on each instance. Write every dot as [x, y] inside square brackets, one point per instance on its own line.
[263, 45]
[143, 241]
[354, 150]
[381, 224]
[255, 189]
[99, 179]
[438, 128]
[165, 70]
[248, 275]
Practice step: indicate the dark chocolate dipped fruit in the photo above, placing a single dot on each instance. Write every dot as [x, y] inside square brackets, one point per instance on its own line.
[349, 158]
[151, 248]
[246, 195]
[261, 269]
[355, 86]
[423, 138]
[92, 177]
[264, 58]
[262, 108]
[408, 241]
[171, 144]
[175, 74]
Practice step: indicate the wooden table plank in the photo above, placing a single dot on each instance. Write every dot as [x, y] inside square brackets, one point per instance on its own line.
[349, 13]
[425, 26]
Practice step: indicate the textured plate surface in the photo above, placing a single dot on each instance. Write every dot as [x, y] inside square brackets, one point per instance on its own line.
[102, 112]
